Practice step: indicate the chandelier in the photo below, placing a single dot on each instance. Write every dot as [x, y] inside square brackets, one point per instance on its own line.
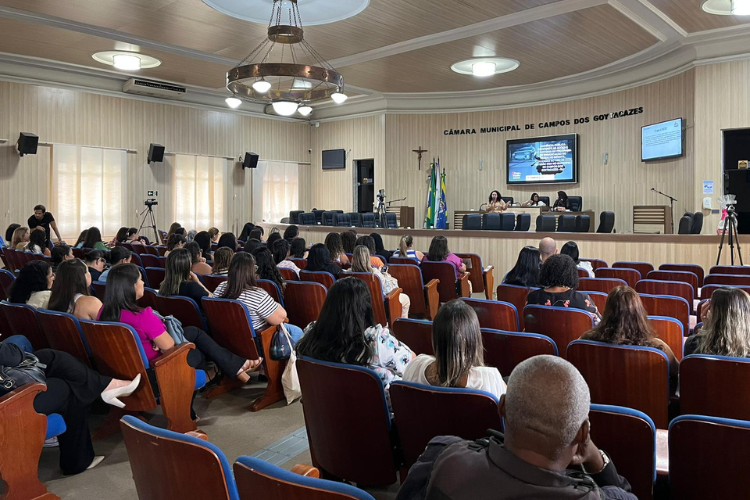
[280, 78]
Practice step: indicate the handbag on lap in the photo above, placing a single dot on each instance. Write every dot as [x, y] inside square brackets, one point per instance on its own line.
[28, 371]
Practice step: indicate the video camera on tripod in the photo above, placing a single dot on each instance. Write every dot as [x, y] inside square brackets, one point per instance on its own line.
[728, 226]
[151, 202]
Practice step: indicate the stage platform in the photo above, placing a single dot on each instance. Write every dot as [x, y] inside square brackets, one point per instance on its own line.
[500, 248]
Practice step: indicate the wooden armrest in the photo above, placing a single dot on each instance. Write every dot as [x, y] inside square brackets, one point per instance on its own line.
[176, 381]
[463, 283]
[306, 470]
[393, 305]
[489, 282]
[432, 298]
[198, 434]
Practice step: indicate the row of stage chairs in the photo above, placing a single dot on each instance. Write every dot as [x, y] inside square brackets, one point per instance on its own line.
[337, 218]
[566, 223]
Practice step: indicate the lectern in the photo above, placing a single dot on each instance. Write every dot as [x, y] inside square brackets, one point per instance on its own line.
[404, 215]
[652, 219]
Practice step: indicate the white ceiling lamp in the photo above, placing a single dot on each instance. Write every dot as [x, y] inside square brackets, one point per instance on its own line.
[305, 110]
[261, 86]
[483, 68]
[727, 7]
[284, 108]
[316, 11]
[339, 97]
[741, 7]
[125, 60]
[233, 102]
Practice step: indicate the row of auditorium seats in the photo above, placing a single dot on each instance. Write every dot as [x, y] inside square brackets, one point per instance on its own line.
[337, 218]
[566, 223]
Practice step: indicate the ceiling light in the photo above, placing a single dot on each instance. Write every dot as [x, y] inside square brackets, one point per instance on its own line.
[233, 102]
[305, 110]
[285, 108]
[127, 63]
[318, 11]
[126, 60]
[261, 86]
[483, 68]
[741, 7]
[339, 97]
[727, 7]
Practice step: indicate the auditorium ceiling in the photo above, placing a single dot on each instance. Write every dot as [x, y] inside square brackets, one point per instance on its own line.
[393, 47]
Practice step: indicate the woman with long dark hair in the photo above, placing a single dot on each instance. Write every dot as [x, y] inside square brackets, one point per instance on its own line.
[32, 285]
[37, 243]
[299, 248]
[526, 270]
[571, 249]
[245, 233]
[380, 248]
[227, 240]
[439, 252]
[203, 239]
[175, 242]
[495, 203]
[60, 254]
[222, 259]
[335, 248]
[180, 280]
[349, 241]
[459, 356]
[199, 262]
[319, 259]
[369, 242]
[291, 232]
[122, 235]
[282, 250]
[71, 291]
[95, 261]
[561, 203]
[272, 238]
[534, 201]
[242, 285]
[267, 269]
[9, 233]
[125, 287]
[81, 238]
[174, 227]
[346, 332]
[94, 240]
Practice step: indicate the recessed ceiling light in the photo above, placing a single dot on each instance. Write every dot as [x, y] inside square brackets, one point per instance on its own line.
[233, 102]
[285, 108]
[485, 66]
[314, 11]
[125, 60]
[727, 7]
[305, 110]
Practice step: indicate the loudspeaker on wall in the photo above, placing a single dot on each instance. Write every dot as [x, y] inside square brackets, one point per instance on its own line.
[155, 153]
[27, 144]
[250, 161]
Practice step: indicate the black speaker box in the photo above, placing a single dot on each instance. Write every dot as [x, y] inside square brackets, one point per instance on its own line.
[251, 161]
[155, 153]
[27, 144]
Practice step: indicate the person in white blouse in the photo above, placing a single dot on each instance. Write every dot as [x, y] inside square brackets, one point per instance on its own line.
[458, 360]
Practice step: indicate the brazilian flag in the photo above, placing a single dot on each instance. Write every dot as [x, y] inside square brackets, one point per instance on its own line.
[429, 218]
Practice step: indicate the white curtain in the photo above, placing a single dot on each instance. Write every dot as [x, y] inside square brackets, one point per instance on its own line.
[87, 188]
[275, 190]
[198, 190]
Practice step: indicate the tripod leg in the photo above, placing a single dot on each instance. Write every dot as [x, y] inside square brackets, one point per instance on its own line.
[737, 238]
[721, 241]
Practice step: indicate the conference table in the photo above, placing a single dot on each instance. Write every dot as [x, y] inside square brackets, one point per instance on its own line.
[458, 215]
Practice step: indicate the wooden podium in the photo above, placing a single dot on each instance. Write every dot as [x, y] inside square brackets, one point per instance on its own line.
[404, 215]
[652, 219]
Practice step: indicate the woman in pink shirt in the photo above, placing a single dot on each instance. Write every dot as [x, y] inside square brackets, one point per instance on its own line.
[439, 252]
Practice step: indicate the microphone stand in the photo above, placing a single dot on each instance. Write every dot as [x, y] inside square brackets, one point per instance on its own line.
[671, 204]
[396, 201]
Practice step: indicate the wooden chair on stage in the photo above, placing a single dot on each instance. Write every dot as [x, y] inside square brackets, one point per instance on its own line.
[415, 333]
[425, 299]
[604, 285]
[668, 305]
[185, 309]
[482, 279]
[212, 281]
[505, 350]
[288, 274]
[563, 325]
[690, 268]
[304, 300]
[21, 319]
[517, 296]
[385, 308]
[231, 327]
[272, 289]
[631, 376]
[495, 314]
[629, 276]
[673, 288]
[324, 278]
[670, 331]
[681, 276]
[642, 267]
[715, 386]
[449, 287]
[422, 412]
[63, 333]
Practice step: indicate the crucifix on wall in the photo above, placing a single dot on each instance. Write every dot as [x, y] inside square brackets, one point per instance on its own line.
[419, 155]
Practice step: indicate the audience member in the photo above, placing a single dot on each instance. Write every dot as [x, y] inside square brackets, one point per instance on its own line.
[571, 249]
[282, 250]
[267, 269]
[125, 287]
[726, 328]
[406, 249]
[44, 220]
[380, 248]
[190, 235]
[175, 242]
[439, 252]
[81, 238]
[625, 322]
[257, 233]
[21, 236]
[135, 237]
[37, 244]
[180, 280]
[272, 238]
[203, 239]
[59, 254]
[335, 248]
[95, 261]
[559, 280]
[199, 262]
[94, 240]
[547, 248]
[369, 242]
[71, 388]
[222, 258]
[345, 332]
[118, 255]
[32, 285]
[459, 356]
[215, 234]
[252, 244]
[182, 232]
[361, 263]
[71, 291]
[298, 249]
[9, 234]
[291, 232]
[526, 271]
[174, 227]
[319, 260]
[122, 235]
[227, 240]
[246, 229]
[242, 285]
[349, 241]
[545, 452]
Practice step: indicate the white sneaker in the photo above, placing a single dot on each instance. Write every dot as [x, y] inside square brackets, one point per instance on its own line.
[51, 442]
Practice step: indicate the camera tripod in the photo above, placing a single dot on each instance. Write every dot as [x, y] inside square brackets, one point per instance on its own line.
[730, 226]
[148, 213]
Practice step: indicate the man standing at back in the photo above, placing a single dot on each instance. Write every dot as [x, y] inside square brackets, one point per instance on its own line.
[547, 248]
[546, 452]
[43, 219]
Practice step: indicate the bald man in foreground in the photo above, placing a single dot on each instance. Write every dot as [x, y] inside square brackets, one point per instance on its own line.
[546, 451]
[547, 248]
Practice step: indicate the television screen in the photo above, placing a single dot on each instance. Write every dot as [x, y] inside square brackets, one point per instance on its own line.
[333, 159]
[662, 140]
[543, 160]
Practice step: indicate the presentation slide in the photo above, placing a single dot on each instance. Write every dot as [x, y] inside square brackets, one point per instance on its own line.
[662, 140]
[543, 160]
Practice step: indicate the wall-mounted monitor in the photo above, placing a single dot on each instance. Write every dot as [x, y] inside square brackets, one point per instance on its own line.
[543, 160]
[334, 159]
[662, 141]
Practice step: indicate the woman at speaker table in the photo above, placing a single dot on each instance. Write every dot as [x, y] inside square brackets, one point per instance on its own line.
[496, 203]
[561, 203]
[534, 201]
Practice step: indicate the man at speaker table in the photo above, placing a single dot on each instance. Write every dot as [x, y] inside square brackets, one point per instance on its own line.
[44, 220]
[496, 203]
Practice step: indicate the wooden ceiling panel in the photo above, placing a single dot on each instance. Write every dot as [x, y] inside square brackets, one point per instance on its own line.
[689, 15]
[551, 48]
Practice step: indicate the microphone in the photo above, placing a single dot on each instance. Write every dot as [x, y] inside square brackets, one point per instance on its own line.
[653, 189]
[482, 206]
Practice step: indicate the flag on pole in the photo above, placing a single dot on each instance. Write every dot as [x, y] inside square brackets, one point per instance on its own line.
[429, 218]
[442, 208]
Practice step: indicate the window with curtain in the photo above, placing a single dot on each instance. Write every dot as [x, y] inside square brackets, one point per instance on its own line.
[198, 190]
[275, 190]
[87, 189]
